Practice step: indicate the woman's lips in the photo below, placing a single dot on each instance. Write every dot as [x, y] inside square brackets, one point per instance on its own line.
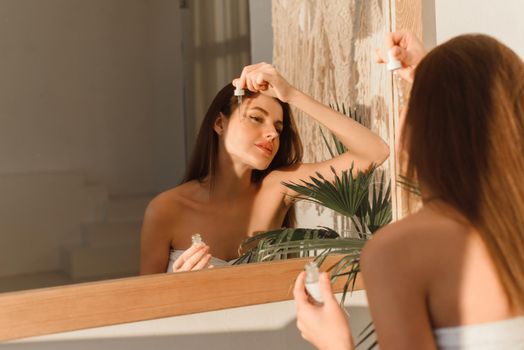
[266, 150]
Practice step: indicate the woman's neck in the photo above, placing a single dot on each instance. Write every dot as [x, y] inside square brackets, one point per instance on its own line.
[230, 181]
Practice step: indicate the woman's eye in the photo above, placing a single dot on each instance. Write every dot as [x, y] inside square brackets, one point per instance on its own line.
[256, 119]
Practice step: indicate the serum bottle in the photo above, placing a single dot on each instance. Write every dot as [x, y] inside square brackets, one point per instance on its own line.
[196, 239]
[239, 93]
[312, 286]
[393, 65]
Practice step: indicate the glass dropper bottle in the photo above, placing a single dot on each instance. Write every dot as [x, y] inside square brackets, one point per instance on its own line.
[312, 286]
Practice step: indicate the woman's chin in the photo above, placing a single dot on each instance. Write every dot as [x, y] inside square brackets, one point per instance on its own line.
[260, 165]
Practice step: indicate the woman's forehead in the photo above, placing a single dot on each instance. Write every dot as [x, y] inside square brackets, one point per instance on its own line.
[266, 105]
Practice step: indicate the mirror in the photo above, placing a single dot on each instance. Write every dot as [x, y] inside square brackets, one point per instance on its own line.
[93, 97]
[57, 79]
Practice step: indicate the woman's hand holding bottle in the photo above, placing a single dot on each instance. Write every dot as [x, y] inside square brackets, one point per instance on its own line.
[405, 47]
[195, 257]
[325, 326]
[264, 78]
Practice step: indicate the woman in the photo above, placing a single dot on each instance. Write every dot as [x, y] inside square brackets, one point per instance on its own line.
[450, 276]
[233, 187]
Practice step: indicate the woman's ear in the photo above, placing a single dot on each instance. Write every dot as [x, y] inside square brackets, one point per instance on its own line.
[219, 124]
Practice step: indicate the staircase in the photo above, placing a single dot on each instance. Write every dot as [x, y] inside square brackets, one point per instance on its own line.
[57, 230]
[109, 238]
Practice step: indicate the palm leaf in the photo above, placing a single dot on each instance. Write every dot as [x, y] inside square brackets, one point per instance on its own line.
[326, 142]
[344, 195]
[378, 212]
[300, 242]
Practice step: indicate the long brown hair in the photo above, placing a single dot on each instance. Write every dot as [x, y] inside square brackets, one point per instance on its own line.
[204, 159]
[464, 139]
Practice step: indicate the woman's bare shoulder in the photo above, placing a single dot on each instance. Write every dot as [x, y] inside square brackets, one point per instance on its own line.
[415, 243]
[166, 204]
[423, 226]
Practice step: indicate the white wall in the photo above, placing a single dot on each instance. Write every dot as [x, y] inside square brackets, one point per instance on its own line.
[502, 19]
[91, 85]
[169, 130]
[90, 94]
[261, 31]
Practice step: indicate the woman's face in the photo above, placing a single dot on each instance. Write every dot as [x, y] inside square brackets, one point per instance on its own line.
[251, 133]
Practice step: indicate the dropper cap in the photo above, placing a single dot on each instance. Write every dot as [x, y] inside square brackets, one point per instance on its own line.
[312, 272]
[393, 63]
[196, 239]
[239, 92]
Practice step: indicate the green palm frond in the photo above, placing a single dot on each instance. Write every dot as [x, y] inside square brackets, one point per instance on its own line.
[326, 142]
[365, 334]
[347, 267]
[377, 211]
[344, 195]
[339, 146]
[371, 215]
[300, 242]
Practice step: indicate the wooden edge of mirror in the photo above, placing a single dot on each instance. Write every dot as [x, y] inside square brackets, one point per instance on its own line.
[96, 304]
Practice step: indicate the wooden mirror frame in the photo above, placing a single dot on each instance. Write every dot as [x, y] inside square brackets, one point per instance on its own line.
[96, 304]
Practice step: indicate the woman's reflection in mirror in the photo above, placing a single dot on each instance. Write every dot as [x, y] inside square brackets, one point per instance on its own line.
[233, 184]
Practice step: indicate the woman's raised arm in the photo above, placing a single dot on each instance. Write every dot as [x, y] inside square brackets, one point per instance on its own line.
[364, 146]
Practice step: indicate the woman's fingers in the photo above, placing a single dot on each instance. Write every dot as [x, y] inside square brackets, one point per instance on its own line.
[190, 257]
[398, 53]
[325, 288]
[396, 38]
[405, 46]
[253, 77]
[202, 263]
[194, 259]
[242, 81]
[299, 291]
[256, 80]
[249, 84]
[381, 58]
[263, 77]
[186, 255]
[259, 80]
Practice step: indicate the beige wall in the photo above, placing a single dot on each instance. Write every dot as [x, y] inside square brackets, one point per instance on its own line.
[326, 49]
[261, 31]
[90, 104]
[92, 86]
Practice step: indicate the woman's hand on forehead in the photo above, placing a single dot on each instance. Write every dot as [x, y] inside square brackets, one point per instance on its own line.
[265, 79]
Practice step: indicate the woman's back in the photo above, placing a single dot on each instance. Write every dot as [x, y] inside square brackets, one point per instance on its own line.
[432, 268]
